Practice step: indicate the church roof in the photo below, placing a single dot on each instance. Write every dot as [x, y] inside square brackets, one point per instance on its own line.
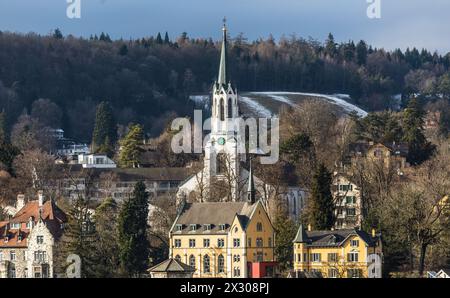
[213, 214]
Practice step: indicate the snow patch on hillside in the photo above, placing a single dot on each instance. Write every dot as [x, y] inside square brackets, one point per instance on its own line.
[256, 106]
[279, 98]
[337, 99]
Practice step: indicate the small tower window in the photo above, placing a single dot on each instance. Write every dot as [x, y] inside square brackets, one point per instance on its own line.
[221, 163]
[222, 110]
[230, 108]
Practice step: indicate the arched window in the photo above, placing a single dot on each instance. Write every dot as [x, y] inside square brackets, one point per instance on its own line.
[222, 110]
[206, 264]
[192, 261]
[230, 108]
[221, 163]
[259, 227]
[178, 258]
[220, 264]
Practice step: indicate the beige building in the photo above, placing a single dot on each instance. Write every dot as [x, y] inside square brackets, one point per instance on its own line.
[28, 238]
[348, 205]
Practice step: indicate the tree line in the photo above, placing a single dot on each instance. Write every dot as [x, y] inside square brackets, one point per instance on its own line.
[144, 79]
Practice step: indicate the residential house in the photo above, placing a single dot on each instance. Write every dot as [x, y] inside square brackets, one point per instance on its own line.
[28, 238]
[348, 253]
[347, 200]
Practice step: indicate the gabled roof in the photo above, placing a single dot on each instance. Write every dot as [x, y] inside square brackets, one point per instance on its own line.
[214, 214]
[31, 209]
[171, 265]
[334, 238]
[51, 215]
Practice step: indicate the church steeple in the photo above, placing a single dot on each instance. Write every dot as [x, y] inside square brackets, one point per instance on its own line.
[222, 78]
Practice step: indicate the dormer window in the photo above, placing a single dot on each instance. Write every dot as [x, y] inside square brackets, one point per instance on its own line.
[179, 227]
[222, 227]
[19, 237]
[207, 227]
[15, 226]
[6, 239]
[193, 227]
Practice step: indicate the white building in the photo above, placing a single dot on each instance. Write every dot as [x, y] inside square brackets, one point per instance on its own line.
[98, 161]
[27, 240]
[222, 159]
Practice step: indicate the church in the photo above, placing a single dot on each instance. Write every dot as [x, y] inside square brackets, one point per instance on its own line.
[225, 172]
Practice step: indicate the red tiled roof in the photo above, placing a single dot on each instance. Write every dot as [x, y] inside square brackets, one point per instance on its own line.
[51, 215]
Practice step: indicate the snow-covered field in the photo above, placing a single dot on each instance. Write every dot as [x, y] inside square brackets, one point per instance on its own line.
[337, 99]
[266, 104]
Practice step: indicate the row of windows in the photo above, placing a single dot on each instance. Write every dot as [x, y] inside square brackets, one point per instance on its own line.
[221, 242]
[348, 211]
[345, 187]
[206, 263]
[39, 256]
[334, 273]
[331, 257]
[208, 227]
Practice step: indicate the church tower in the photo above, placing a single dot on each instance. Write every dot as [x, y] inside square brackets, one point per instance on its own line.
[221, 151]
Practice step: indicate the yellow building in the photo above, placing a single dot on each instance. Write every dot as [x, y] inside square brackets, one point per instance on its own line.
[225, 239]
[391, 155]
[337, 254]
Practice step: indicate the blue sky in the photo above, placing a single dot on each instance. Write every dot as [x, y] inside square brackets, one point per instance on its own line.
[403, 23]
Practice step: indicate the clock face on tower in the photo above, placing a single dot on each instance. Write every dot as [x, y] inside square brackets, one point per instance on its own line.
[221, 141]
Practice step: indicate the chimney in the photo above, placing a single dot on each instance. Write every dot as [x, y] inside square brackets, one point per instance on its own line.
[20, 201]
[373, 233]
[41, 198]
[309, 227]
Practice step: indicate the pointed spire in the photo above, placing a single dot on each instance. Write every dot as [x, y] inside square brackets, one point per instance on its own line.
[301, 236]
[251, 192]
[222, 79]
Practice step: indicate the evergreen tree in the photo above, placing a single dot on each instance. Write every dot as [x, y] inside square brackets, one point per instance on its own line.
[79, 236]
[361, 53]
[123, 51]
[8, 152]
[419, 149]
[330, 46]
[105, 130]
[133, 242]
[106, 233]
[58, 34]
[321, 205]
[166, 38]
[297, 147]
[285, 229]
[130, 147]
[159, 39]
